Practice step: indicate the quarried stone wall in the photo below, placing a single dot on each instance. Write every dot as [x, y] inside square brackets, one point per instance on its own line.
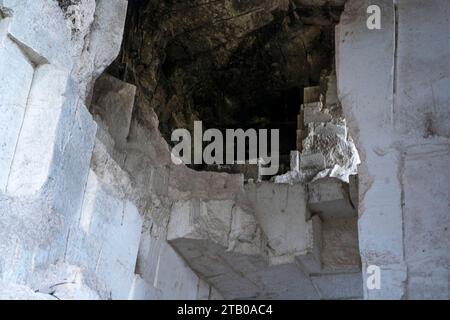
[393, 84]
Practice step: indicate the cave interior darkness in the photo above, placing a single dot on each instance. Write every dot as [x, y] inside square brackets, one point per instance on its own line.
[231, 64]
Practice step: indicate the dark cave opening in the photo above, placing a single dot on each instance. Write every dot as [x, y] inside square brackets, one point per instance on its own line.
[229, 64]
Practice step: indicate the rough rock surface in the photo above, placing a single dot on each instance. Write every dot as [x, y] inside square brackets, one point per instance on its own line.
[325, 147]
[213, 220]
[91, 206]
[228, 63]
[105, 195]
[395, 96]
[328, 148]
[49, 136]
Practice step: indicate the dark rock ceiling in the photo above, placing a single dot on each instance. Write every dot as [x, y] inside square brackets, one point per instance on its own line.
[230, 63]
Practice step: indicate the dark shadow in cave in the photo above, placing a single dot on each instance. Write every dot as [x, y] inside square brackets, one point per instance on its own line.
[231, 64]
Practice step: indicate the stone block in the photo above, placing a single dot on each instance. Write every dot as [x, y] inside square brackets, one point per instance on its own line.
[166, 274]
[330, 130]
[16, 75]
[286, 282]
[423, 78]
[340, 250]
[330, 198]
[113, 226]
[317, 105]
[113, 102]
[198, 219]
[311, 94]
[286, 245]
[69, 170]
[312, 161]
[147, 264]
[281, 211]
[311, 260]
[427, 220]
[106, 38]
[295, 161]
[32, 163]
[365, 83]
[315, 115]
[181, 282]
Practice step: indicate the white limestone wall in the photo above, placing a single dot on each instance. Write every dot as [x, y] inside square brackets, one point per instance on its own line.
[47, 138]
[135, 162]
[73, 223]
[393, 84]
[46, 130]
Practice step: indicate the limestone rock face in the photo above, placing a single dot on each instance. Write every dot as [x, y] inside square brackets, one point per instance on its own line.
[50, 54]
[96, 209]
[395, 96]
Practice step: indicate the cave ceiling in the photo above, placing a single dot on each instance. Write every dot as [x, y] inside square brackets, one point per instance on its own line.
[229, 63]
